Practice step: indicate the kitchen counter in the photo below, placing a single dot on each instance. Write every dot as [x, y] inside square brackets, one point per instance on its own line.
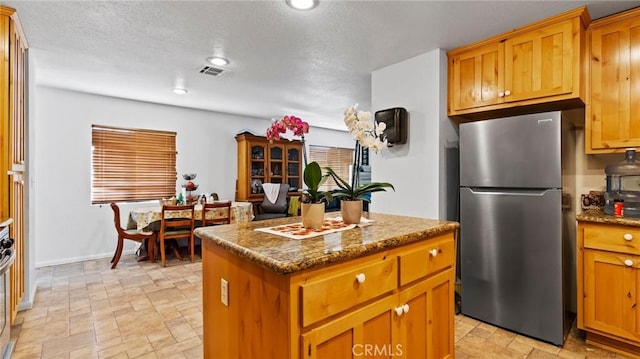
[598, 216]
[284, 255]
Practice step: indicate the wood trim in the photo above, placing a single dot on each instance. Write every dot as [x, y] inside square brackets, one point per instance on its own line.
[614, 18]
[4, 112]
[582, 12]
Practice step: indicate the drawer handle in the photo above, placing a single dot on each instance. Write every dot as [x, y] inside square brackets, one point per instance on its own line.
[500, 94]
[507, 93]
[405, 308]
[628, 236]
[399, 310]
[433, 252]
[628, 262]
[360, 278]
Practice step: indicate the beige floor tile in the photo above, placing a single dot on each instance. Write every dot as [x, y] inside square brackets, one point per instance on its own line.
[144, 311]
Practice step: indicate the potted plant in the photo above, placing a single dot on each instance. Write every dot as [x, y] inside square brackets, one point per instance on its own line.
[353, 195]
[312, 198]
[367, 135]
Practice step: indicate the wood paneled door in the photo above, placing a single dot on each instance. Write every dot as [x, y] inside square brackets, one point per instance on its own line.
[12, 137]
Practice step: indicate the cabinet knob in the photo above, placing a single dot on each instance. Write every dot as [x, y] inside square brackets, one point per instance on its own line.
[628, 262]
[433, 252]
[500, 94]
[405, 308]
[628, 236]
[360, 278]
[399, 310]
[507, 93]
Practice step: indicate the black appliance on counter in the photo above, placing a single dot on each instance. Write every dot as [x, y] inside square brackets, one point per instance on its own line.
[7, 256]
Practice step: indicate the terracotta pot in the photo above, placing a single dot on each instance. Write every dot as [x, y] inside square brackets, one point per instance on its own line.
[351, 211]
[312, 215]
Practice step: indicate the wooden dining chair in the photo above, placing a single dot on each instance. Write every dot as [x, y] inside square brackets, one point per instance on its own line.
[175, 228]
[221, 206]
[131, 234]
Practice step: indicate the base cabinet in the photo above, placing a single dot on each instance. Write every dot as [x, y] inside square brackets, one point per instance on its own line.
[609, 281]
[412, 324]
[397, 303]
[612, 289]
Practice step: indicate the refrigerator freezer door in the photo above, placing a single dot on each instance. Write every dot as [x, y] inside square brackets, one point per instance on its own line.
[512, 152]
[511, 260]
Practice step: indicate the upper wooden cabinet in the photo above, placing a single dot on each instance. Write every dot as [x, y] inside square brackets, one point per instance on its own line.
[613, 102]
[537, 64]
[263, 161]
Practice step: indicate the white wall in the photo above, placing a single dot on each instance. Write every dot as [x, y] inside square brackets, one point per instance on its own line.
[68, 227]
[417, 169]
[30, 221]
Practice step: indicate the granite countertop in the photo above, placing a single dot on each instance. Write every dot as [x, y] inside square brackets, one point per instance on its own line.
[284, 255]
[598, 216]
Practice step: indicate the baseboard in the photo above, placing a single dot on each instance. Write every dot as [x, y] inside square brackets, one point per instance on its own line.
[27, 303]
[80, 259]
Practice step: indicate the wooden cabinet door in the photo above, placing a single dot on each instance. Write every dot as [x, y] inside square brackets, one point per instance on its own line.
[613, 120]
[475, 77]
[426, 327]
[539, 63]
[364, 333]
[611, 287]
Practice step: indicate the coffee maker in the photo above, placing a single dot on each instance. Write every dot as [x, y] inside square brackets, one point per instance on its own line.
[623, 185]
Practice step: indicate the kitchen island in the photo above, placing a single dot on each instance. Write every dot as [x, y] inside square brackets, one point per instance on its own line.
[385, 289]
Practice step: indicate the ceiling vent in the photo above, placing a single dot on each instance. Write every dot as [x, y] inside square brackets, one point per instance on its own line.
[210, 70]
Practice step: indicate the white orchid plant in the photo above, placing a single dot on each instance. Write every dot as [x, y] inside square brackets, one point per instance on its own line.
[367, 135]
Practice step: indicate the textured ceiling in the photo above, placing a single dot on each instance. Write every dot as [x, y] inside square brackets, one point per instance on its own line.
[311, 64]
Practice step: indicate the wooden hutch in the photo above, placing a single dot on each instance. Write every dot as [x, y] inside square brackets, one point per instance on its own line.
[263, 161]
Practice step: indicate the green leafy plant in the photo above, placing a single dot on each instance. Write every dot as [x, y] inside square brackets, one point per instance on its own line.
[314, 178]
[352, 193]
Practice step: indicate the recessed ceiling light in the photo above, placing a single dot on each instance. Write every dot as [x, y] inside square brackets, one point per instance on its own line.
[179, 91]
[218, 61]
[302, 4]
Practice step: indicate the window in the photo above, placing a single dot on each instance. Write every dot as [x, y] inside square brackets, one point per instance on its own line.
[339, 159]
[132, 164]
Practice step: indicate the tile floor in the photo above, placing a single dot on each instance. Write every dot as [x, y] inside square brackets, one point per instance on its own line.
[141, 310]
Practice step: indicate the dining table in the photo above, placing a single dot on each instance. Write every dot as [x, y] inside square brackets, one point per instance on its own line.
[148, 219]
[144, 218]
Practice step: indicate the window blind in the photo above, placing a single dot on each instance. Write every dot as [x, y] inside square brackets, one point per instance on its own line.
[132, 164]
[339, 159]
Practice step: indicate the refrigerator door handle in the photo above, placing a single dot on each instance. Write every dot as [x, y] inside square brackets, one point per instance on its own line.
[510, 192]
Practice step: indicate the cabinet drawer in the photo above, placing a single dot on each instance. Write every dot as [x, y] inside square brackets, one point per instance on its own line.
[437, 255]
[330, 295]
[613, 238]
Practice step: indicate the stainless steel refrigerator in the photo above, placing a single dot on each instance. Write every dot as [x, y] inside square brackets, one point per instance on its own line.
[511, 248]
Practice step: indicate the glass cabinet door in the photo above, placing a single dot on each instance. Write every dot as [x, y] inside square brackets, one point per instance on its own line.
[276, 164]
[294, 168]
[257, 168]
